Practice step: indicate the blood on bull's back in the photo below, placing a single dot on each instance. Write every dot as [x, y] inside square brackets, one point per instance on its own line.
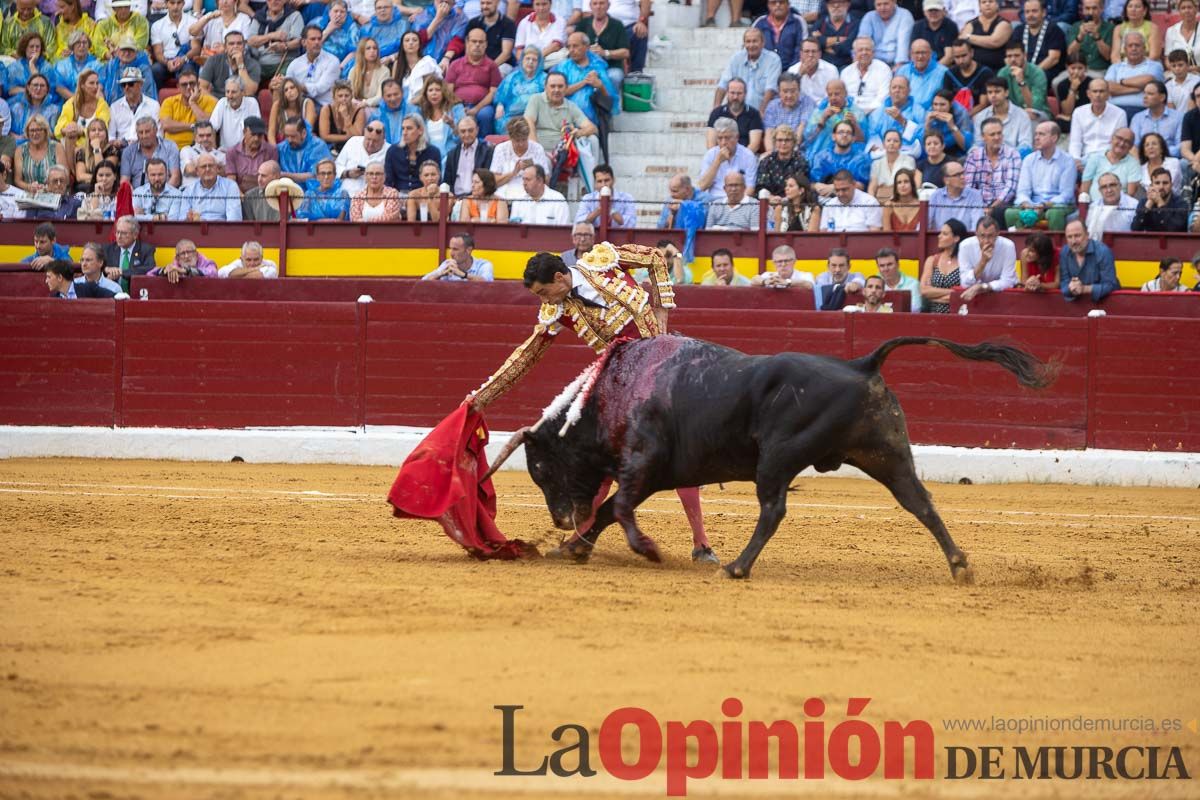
[709, 405]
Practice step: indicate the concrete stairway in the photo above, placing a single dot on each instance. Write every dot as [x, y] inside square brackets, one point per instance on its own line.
[647, 149]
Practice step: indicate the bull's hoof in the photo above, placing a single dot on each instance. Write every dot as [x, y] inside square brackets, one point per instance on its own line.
[648, 549]
[578, 551]
[736, 571]
[961, 571]
[705, 555]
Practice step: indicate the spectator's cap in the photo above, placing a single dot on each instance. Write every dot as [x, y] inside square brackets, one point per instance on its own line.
[131, 75]
[77, 36]
[255, 125]
[126, 42]
[121, 4]
[940, 5]
[281, 185]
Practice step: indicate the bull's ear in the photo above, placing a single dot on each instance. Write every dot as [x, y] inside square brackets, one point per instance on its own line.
[516, 441]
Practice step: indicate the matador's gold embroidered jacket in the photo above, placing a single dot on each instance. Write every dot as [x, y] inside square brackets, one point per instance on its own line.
[629, 311]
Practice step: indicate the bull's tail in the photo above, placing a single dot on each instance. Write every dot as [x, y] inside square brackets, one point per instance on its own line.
[1029, 371]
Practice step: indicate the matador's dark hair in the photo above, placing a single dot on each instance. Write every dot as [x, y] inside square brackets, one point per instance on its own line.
[542, 268]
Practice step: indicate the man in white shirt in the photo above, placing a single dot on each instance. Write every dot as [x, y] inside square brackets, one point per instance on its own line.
[541, 205]
[250, 265]
[1114, 212]
[8, 196]
[229, 116]
[1093, 125]
[124, 113]
[814, 72]
[987, 261]
[170, 42]
[358, 153]
[851, 209]
[784, 276]
[316, 70]
[867, 78]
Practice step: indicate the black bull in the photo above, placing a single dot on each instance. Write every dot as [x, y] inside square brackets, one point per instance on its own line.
[673, 412]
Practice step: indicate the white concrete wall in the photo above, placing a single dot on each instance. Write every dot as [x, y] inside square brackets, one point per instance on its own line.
[390, 446]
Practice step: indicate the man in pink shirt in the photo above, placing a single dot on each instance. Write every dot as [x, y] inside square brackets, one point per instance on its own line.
[474, 78]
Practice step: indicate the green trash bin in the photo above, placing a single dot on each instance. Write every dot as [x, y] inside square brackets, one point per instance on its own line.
[637, 93]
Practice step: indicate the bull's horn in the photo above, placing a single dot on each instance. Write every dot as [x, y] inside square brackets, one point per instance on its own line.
[516, 441]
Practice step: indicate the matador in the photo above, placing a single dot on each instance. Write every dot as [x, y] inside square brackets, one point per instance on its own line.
[600, 300]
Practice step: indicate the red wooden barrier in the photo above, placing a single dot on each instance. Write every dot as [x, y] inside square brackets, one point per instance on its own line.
[411, 290]
[225, 365]
[23, 284]
[743, 244]
[57, 362]
[1125, 383]
[341, 290]
[1125, 302]
[950, 401]
[426, 358]
[1145, 384]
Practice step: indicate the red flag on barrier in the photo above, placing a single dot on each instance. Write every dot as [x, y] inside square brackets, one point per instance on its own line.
[124, 207]
[440, 480]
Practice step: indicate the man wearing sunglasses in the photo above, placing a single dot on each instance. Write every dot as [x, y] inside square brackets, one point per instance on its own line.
[181, 112]
[360, 152]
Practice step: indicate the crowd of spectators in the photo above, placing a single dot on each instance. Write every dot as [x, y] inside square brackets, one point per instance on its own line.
[977, 264]
[844, 114]
[226, 94]
[979, 114]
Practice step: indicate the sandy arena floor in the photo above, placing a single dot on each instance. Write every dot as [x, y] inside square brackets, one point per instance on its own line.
[262, 631]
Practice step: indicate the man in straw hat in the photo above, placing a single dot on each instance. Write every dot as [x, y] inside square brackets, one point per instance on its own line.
[281, 186]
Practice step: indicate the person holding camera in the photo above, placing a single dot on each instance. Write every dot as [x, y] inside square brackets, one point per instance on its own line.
[358, 153]
[1091, 39]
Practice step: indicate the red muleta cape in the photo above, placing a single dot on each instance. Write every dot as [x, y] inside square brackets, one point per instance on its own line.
[440, 480]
